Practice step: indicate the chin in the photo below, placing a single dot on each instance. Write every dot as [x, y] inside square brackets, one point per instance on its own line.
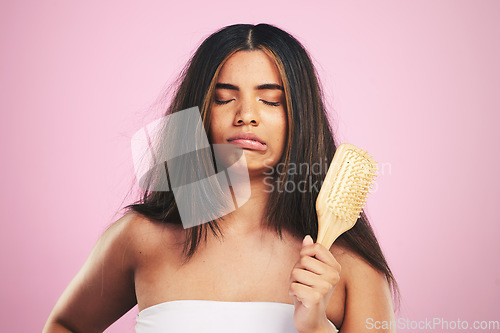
[264, 167]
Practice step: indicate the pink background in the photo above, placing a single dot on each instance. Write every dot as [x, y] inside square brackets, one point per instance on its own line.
[416, 83]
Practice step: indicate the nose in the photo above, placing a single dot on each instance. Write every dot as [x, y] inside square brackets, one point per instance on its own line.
[247, 114]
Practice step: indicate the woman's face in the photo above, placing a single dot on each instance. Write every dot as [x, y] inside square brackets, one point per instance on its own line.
[249, 109]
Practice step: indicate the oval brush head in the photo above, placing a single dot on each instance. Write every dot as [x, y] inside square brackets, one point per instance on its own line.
[344, 192]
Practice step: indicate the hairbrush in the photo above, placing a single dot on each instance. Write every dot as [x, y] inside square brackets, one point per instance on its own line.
[344, 191]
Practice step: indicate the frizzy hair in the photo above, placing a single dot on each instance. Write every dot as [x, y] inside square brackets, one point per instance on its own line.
[310, 139]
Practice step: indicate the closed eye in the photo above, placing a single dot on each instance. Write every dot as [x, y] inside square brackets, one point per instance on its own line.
[271, 103]
[222, 102]
[263, 101]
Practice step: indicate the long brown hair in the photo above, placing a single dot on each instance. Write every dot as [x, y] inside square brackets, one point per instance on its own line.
[310, 139]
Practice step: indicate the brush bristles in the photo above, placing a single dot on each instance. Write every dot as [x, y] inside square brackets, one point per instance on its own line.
[351, 185]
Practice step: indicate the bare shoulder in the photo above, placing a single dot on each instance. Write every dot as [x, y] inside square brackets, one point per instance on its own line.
[104, 288]
[354, 268]
[143, 236]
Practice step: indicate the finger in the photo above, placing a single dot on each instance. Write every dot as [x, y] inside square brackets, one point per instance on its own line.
[321, 253]
[326, 272]
[318, 283]
[305, 277]
[312, 264]
[307, 241]
[305, 294]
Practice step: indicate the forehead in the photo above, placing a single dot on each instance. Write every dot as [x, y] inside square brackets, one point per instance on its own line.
[250, 66]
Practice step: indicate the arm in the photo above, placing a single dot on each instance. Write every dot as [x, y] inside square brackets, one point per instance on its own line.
[103, 290]
[368, 298]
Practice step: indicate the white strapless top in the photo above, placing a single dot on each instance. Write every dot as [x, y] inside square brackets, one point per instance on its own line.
[199, 316]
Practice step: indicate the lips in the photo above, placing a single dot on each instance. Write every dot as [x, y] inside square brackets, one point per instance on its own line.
[248, 141]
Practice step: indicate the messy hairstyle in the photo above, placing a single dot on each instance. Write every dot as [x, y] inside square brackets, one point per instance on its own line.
[310, 140]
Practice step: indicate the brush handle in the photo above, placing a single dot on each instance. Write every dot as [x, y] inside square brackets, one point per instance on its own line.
[330, 228]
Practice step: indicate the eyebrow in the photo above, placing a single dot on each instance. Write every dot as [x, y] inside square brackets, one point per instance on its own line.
[272, 86]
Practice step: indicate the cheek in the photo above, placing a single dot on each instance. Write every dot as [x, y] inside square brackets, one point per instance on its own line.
[216, 126]
[279, 130]
[282, 121]
[284, 133]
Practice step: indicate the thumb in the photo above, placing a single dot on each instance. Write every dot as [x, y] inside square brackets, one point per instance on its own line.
[307, 241]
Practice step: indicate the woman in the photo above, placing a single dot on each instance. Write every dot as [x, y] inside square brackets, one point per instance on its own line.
[257, 267]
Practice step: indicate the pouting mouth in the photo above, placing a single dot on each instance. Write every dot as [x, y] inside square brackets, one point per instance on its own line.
[246, 136]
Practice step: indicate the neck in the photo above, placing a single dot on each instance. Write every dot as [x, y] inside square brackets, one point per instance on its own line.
[249, 218]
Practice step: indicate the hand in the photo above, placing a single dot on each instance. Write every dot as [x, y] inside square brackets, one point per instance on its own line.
[312, 282]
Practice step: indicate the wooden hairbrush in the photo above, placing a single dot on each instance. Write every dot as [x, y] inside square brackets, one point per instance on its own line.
[343, 193]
